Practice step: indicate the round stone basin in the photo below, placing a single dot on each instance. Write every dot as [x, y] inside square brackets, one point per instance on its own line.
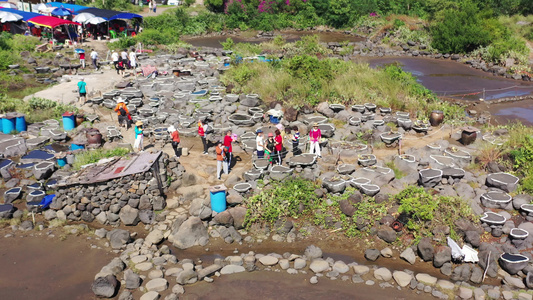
[232, 98]
[255, 110]
[27, 166]
[527, 208]
[367, 117]
[305, 159]
[199, 93]
[378, 169]
[36, 156]
[280, 169]
[441, 162]
[253, 174]
[242, 187]
[458, 153]
[241, 119]
[51, 184]
[215, 98]
[402, 114]
[310, 120]
[377, 123]
[97, 100]
[109, 103]
[390, 137]
[357, 182]
[434, 148]
[12, 194]
[407, 158]
[513, 263]
[109, 95]
[518, 234]
[385, 110]
[406, 124]
[358, 108]
[370, 106]
[354, 121]
[249, 144]
[248, 135]
[453, 172]
[146, 112]
[334, 186]
[503, 181]
[369, 189]
[430, 177]
[6, 211]
[495, 199]
[35, 196]
[366, 160]
[337, 107]
[492, 218]
[327, 130]
[344, 169]
[35, 186]
[420, 127]
[261, 163]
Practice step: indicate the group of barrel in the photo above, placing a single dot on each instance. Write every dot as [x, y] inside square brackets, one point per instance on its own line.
[11, 122]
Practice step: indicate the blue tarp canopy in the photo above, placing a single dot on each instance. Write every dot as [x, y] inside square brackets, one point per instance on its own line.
[73, 7]
[25, 15]
[109, 14]
[125, 16]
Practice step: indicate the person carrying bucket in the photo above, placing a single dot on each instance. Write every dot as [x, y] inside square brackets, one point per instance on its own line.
[138, 136]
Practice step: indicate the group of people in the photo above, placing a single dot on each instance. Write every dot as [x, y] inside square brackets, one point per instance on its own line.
[272, 147]
[152, 6]
[124, 60]
[94, 59]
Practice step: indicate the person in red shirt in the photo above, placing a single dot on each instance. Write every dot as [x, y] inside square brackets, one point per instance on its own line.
[227, 143]
[279, 145]
[82, 59]
[175, 135]
[202, 128]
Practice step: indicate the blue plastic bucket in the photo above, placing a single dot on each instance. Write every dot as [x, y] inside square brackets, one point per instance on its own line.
[69, 121]
[76, 146]
[218, 198]
[61, 162]
[20, 123]
[8, 124]
[274, 120]
[226, 64]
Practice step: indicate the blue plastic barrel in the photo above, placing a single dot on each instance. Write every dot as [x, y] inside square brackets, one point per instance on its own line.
[20, 123]
[61, 162]
[274, 120]
[218, 198]
[69, 121]
[76, 146]
[1, 120]
[8, 124]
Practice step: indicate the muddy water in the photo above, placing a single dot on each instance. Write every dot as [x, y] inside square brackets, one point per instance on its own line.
[290, 36]
[455, 79]
[508, 112]
[281, 286]
[40, 267]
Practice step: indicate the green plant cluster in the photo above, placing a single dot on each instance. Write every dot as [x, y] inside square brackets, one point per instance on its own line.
[36, 109]
[93, 156]
[523, 162]
[11, 45]
[288, 198]
[425, 210]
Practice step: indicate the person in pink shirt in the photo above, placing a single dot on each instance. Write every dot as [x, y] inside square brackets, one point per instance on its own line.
[314, 140]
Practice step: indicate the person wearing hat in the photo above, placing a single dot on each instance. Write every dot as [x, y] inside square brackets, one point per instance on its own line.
[259, 144]
[314, 140]
[222, 159]
[138, 136]
[175, 136]
[122, 112]
[94, 58]
[82, 89]
[270, 147]
[81, 55]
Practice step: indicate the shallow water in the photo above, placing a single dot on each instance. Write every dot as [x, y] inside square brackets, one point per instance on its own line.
[455, 79]
[290, 36]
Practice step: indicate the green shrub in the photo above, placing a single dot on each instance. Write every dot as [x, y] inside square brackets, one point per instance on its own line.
[288, 198]
[154, 37]
[123, 43]
[25, 43]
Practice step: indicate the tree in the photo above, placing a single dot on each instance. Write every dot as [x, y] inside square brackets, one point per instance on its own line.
[459, 31]
[215, 5]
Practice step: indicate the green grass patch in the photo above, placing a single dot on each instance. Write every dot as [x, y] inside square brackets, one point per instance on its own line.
[93, 156]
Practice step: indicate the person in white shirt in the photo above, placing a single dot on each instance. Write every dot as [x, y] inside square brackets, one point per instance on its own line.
[259, 144]
[133, 59]
[94, 58]
[124, 56]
